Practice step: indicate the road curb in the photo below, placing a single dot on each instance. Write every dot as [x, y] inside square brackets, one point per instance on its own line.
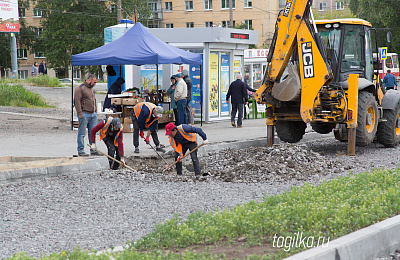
[378, 240]
[91, 164]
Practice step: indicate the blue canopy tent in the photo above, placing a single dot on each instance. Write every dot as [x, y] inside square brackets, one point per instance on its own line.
[136, 47]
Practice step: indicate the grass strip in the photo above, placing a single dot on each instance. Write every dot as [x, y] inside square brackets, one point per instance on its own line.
[44, 81]
[17, 96]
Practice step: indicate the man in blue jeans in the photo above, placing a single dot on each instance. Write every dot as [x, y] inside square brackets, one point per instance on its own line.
[389, 81]
[180, 96]
[85, 105]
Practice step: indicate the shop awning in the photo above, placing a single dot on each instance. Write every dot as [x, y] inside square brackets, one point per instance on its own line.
[136, 47]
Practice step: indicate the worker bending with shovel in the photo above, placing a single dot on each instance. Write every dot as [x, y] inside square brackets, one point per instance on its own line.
[110, 131]
[182, 138]
[145, 115]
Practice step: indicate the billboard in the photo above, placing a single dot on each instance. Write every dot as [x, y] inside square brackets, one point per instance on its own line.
[9, 19]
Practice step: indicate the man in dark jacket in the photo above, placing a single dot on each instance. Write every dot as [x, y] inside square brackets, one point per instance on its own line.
[43, 68]
[186, 78]
[238, 93]
[115, 88]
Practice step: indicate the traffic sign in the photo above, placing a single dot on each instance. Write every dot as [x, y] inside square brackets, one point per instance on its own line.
[383, 53]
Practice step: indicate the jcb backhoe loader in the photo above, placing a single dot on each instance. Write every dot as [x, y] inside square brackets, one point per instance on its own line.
[322, 73]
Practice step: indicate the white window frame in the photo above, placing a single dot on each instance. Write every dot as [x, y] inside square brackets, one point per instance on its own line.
[190, 25]
[23, 11]
[22, 54]
[339, 5]
[23, 74]
[248, 3]
[168, 6]
[208, 24]
[113, 8]
[169, 25]
[37, 12]
[207, 4]
[77, 74]
[322, 6]
[39, 55]
[248, 23]
[189, 5]
[225, 4]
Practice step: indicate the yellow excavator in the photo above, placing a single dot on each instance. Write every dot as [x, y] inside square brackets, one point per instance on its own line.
[322, 73]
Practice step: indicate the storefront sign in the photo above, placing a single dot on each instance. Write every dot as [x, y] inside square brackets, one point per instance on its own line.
[214, 89]
[243, 36]
[236, 68]
[255, 53]
[195, 73]
[224, 84]
[9, 21]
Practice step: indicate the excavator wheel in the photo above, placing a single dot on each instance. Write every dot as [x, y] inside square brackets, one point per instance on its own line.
[367, 119]
[290, 131]
[322, 128]
[389, 131]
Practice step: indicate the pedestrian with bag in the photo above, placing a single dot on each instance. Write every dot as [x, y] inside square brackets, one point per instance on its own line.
[35, 69]
[183, 138]
[86, 107]
[145, 115]
[180, 98]
[110, 131]
[238, 94]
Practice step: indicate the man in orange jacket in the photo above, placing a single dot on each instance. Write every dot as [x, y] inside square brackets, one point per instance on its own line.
[110, 131]
[182, 138]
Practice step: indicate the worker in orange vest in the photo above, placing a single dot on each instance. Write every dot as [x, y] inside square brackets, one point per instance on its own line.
[145, 115]
[110, 131]
[183, 138]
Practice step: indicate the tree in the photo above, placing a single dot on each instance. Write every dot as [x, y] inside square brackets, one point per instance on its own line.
[333, 14]
[381, 14]
[5, 53]
[246, 27]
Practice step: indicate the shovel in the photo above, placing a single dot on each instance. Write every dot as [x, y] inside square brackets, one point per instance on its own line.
[183, 157]
[166, 163]
[115, 160]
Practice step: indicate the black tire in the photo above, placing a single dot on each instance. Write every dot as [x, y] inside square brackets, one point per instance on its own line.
[290, 131]
[340, 133]
[389, 131]
[367, 119]
[322, 128]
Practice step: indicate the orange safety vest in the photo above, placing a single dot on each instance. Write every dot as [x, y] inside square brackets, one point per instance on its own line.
[106, 129]
[191, 137]
[138, 109]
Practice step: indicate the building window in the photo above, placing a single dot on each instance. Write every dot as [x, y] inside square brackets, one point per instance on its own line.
[22, 54]
[190, 25]
[37, 12]
[21, 12]
[39, 55]
[169, 25]
[249, 24]
[168, 6]
[248, 3]
[339, 6]
[226, 24]
[113, 8]
[207, 4]
[188, 5]
[38, 31]
[77, 74]
[23, 74]
[322, 6]
[225, 4]
[282, 4]
[209, 24]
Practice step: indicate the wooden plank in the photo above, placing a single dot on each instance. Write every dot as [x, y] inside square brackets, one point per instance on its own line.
[41, 164]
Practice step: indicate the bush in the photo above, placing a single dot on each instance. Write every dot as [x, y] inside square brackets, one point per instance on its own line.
[17, 96]
[44, 81]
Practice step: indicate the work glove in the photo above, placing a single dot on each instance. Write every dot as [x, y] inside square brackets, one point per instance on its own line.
[141, 134]
[179, 159]
[93, 146]
[123, 161]
[205, 142]
[147, 140]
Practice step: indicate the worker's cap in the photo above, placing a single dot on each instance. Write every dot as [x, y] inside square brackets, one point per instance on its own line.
[159, 110]
[168, 128]
[185, 73]
[173, 77]
[178, 75]
[116, 122]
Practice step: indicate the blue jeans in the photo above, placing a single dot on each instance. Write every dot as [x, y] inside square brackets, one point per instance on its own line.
[235, 108]
[86, 121]
[181, 107]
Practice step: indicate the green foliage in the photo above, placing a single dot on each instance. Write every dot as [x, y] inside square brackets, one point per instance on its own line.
[333, 14]
[245, 26]
[381, 14]
[17, 96]
[331, 209]
[44, 81]
[5, 50]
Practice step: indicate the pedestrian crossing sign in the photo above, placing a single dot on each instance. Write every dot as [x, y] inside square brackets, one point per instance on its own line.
[383, 53]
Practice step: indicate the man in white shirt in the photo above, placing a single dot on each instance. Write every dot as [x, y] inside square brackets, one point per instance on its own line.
[180, 98]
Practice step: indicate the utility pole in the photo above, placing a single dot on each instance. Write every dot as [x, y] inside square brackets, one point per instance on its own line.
[230, 14]
[14, 62]
[119, 11]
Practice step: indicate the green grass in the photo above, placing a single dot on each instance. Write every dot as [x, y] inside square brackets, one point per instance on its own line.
[17, 96]
[44, 81]
[330, 210]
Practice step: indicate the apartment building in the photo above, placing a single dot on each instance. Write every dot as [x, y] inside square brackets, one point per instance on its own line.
[260, 15]
[328, 5]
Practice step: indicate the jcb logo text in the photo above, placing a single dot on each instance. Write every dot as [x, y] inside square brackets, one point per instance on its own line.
[308, 61]
[287, 8]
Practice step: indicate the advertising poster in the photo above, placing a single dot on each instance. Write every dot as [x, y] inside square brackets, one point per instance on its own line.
[236, 68]
[224, 83]
[214, 90]
[9, 19]
[195, 73]
[148, 78]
